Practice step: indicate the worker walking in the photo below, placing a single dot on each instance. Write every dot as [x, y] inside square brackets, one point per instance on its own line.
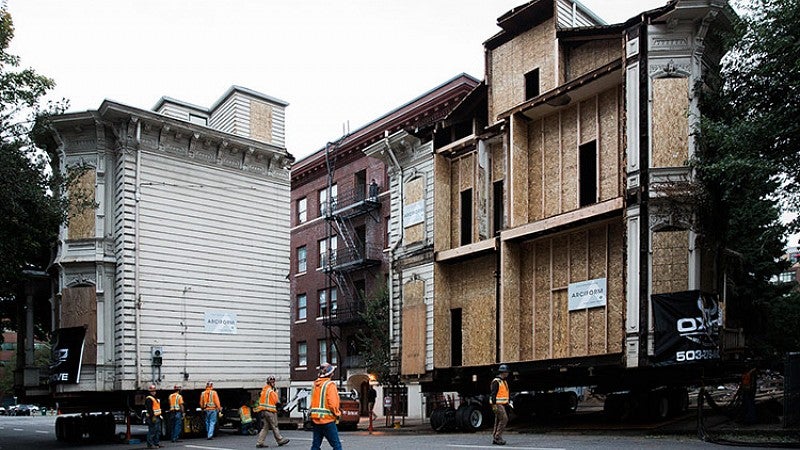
[209, 401]
[176, 412]
[325, 409]
[268, 409]
[153, 407]
[498, 398]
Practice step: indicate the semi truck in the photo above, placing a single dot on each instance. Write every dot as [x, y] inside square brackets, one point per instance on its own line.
[552, 223]
[174, 271]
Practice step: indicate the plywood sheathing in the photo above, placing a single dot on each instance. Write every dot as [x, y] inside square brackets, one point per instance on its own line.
[498, 162]
[670, 261]
[670, 122]
[578, 271]
[469, 285]
[591, 252]
[467, 178]
[616, 288]
[454, 202]
[514, 307]
[79, 309]
[82, 216]
[552, 166]
[587, 123]
[414, 191]
[526, 291]
[609, 145]
[441, 316]
[594, 54]
[509, 62]
[569, 159]
[536, 187]
[442, 224]
[413, 354]
[520, 166]
[597, 246]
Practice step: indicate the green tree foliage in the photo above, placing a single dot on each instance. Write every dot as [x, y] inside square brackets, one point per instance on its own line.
[748, 165]
[31, 207]
[373, 338]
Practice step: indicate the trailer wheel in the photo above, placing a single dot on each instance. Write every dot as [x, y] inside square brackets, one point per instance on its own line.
[659, 405]
[567, 402]
[678, 401]
[619, 407]
[469, 418]
[524, 405]
[60, 429]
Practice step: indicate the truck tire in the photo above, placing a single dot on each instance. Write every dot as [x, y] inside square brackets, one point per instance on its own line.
[469, 418]
[567, 402]
[443, 419]
[60, 429]
[678, 401]
[524, 405]
[658, 404]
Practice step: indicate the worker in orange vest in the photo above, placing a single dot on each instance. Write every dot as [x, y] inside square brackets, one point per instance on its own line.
[268, 409]
[245, 418]
[209, 401]
[325, 409]
[153, 406]
[498, 398]
[176, 411]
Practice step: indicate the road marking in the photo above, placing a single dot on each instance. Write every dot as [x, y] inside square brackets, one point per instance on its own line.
[18, 429]
[207, 447]
[43, 431]
[507, 448]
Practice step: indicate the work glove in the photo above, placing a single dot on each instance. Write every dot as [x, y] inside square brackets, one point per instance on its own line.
[494, 408]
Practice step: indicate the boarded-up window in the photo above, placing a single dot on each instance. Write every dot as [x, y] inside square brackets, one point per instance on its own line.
[414, 211]
[413, 359]
[670, 122]
[81, 209]
[670, 261]
[79, 309]
[261, 121]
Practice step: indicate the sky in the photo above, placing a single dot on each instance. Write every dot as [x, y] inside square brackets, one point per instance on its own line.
[337, 63]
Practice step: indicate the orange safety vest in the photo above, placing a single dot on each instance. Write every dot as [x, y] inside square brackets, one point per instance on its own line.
[268, 400]
[502, 392]
[244, 414]
[209, 400]
[156, 405]
[175, 401]
[320, 410]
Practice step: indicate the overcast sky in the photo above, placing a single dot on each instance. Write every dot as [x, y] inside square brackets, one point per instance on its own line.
[335, 62]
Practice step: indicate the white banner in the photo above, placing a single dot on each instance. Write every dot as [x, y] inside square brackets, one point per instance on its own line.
[220, 322]
[587, 294]
[413, 213]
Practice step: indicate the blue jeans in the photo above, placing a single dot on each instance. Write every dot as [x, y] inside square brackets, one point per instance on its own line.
[153, 431]
[211, 422]
[330, 432]
[177, 425]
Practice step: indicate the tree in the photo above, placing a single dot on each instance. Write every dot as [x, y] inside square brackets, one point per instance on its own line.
[748, 164]
[373, 338]
[31, 204]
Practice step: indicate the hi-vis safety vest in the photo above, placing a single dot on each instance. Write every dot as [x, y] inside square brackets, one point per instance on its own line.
[267, 400]
[244, 414]
[175, 401]
[207, 399]
[319, 406]
[502, 392]
[156, 405]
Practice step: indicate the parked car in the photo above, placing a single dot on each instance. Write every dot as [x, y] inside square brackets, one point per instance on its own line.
[3, 411]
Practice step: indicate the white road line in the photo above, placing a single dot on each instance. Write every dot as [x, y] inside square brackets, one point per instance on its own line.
[18, 429]
[207, 447]
[43, 431]
[506, 448]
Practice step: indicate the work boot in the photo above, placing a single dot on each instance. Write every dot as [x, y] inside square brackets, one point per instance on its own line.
[261, 445]
[283, 442]
[495, 442]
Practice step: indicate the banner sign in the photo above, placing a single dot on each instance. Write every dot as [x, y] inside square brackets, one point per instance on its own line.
[687, 327]
[413, 213]
[220, 322]
[67, 355]
[587, 294]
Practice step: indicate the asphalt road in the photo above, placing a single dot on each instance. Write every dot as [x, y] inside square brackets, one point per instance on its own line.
[37, 433]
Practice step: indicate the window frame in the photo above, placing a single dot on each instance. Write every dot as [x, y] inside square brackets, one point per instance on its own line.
[302, 263]
[302, 306]
[302, 210]
[302, 356]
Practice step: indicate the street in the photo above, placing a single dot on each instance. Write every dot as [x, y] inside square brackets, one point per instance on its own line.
[37, 432]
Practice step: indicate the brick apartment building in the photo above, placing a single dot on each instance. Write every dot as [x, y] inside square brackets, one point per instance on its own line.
[340, 213]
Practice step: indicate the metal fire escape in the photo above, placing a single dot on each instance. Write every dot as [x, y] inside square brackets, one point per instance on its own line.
[354, 254]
